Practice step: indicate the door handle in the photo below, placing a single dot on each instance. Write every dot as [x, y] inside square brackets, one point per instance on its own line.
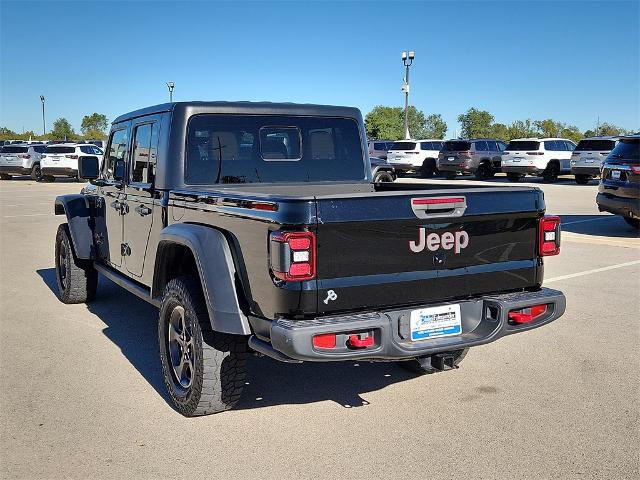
[142, 210]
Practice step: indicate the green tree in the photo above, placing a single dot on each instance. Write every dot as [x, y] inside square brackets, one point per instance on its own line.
[606, 129]
[94, 125]
[589, 133]
[435, 126]
[475, 123]
[62, 130]
[500, 131]
[387, 123]
[7, 134]
[522, 129]
[571, 132]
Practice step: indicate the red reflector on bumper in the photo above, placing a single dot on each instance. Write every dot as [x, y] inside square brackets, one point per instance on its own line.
[326, 340]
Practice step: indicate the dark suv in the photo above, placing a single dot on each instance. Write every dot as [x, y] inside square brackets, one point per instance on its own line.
[619, 189]
[480, 156]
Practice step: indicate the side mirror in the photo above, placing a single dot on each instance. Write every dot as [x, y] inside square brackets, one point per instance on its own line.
[118, 171]
[88, 168]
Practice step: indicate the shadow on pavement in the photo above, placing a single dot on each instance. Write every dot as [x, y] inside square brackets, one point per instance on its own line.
[605, 225]
[132, 326]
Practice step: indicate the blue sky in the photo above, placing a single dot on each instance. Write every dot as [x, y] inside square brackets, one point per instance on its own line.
[568, 60]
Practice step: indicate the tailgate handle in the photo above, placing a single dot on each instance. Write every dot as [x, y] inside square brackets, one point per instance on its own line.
[433, 207]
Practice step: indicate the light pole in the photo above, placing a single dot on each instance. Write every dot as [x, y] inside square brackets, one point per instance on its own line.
[171, 86]
[44, 127]
[407, 60]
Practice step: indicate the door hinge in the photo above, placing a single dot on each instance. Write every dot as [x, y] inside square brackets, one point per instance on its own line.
[125, 250]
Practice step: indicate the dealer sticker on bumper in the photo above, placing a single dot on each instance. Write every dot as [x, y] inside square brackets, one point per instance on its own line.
[436, 322]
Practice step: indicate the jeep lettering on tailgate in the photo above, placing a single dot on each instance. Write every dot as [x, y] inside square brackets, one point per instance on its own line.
[447, 241]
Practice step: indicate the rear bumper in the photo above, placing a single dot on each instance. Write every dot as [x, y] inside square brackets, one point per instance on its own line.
[627, 207]
[524, 169]
[578, 170]
[484, 320]
[59, 171]
[403, 167]
[14, 170]
[446, 167]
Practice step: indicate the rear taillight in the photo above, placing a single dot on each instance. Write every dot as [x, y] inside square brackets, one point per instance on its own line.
[528, 314]
[635, 169]
[549, 242]
[72, 157]
[24, 155]
[535, 153]
[293, 255]
[466, 154]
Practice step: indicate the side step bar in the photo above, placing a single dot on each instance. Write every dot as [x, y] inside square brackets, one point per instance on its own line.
[122, 281]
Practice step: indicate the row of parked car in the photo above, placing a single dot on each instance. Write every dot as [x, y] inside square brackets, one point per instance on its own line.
[484, 157]
[44, 162]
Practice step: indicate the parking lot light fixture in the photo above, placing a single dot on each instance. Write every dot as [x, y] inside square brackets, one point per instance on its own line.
[171, 86]
[44, 127]
[407, 60]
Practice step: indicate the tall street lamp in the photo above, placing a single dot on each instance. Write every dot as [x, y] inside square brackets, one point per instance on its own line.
[171, 86]
[407, 60]
[44, 127]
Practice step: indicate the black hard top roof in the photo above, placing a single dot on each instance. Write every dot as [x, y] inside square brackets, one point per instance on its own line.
[260, 108]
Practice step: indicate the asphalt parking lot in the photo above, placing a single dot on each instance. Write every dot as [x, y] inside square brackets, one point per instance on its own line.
[82, 396]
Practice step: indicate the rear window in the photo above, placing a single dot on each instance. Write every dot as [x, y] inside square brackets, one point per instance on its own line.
[272, 148]
[456, 146]
[627, 149]
[403, 146]
[595, 145]
[523, 145]
[12, 149]
[380, 146]
[56, 149]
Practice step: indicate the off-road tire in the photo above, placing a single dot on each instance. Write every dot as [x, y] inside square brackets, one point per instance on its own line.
[450, 175]
[550, 174]
[36, 174]
[77, 279]
[484, 172]
[422, 366]
[4, 176]
[428, 168]
[582, 179]
[383, 176]
[633, 222]
[218, 360]
[514, 177]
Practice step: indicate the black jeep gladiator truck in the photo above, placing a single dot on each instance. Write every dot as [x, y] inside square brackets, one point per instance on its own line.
[257, 227]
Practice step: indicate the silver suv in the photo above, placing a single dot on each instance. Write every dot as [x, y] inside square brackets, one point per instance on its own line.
[479, 156]
[589, 155]
[21, 159]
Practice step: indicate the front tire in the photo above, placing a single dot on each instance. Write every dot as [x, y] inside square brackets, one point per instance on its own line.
[514, 177]
[77, 279]
[428, 168]
[383, 176]
[204, 370]
[4, 176]
[582, 179]
[633, 222]
[550, 174]
[423, 365]
[36, 174]
[484, 172]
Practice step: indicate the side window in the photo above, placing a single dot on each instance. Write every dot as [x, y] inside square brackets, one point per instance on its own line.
[550, 145]
[481, 146]
[139, 172]
[378, 146]
[437, 145]
[493, 146]
[502, 146]
[425, 146]
[570, 146]
[117, 151]
[86, 149]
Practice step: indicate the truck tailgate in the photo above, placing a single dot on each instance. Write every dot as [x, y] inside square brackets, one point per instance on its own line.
[373, 250]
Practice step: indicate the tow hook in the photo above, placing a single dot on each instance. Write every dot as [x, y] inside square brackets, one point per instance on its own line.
[443, 361]
[362, 340]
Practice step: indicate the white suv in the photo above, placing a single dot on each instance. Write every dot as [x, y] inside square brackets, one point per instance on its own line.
[61, 160]
[21, 159]
[415, 155]
[546, 157]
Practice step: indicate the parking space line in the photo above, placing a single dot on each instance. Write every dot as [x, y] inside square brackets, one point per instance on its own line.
[27, 215]
[595, 270]
[603, 217]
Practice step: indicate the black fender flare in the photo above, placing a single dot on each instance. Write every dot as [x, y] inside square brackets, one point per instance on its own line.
[216, 269]
[78, 211]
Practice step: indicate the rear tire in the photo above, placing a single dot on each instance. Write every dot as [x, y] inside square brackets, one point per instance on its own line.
[4, 176]
[633, 222]
[428, 168]
[36, 174]
[514, 177]
[383, 176]
[77, 279]
[484, 171]
[423, 366]
[582, 179]
[450, 175]
[551, 173]
[204, 370]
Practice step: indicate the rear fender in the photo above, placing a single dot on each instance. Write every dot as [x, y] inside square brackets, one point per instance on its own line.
[216, 270]
[78, 211]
